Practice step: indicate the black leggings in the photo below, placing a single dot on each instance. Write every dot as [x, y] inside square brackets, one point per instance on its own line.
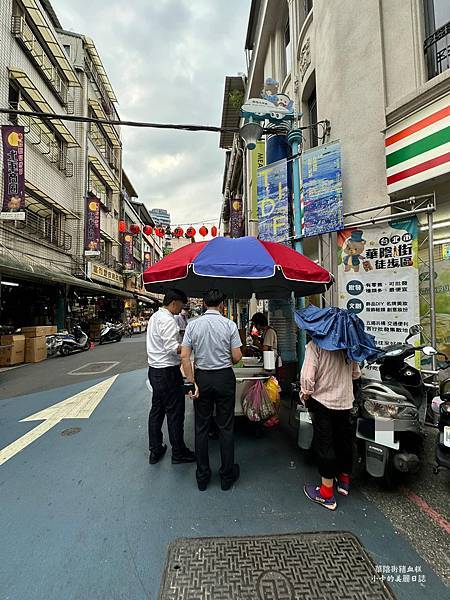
[333, 439]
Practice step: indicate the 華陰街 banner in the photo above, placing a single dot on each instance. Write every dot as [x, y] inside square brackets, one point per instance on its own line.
[92, 227]
[13, 142]
[378, 278]
[127, 252]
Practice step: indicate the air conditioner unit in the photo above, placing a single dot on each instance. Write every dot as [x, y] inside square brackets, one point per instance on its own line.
[17, 24]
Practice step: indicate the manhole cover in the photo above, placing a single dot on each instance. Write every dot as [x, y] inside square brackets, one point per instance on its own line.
[70, 431]
[304, 566]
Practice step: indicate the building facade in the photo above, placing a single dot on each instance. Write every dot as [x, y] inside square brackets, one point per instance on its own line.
[376, 77]
[160, 216]
[99, 160]
[46, 276]
[36, 75]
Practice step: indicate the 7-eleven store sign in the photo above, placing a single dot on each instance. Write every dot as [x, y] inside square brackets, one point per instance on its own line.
[418, 148]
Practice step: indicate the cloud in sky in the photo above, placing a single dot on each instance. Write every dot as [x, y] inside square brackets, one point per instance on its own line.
[167, 60]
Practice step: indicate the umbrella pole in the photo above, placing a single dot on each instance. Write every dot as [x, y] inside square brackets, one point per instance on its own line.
[295, 138]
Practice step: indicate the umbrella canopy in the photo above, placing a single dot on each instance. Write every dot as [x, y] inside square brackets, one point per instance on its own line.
[240, 267]
[337, 329]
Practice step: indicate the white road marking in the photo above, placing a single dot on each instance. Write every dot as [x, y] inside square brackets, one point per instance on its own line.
[80, 406]
[104, 369]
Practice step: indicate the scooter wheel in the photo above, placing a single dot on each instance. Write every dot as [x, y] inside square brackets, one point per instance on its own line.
[64, 351]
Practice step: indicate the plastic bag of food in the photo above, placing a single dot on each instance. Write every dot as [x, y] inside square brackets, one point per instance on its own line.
[256, 404]
[273, 390]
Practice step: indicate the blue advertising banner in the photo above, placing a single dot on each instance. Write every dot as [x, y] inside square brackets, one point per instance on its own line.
[273, 202]
[322, 190]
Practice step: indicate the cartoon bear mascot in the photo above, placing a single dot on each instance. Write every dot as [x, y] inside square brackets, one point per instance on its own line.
[354, 251]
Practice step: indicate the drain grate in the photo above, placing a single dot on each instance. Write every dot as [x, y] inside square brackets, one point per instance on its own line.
[304, 566]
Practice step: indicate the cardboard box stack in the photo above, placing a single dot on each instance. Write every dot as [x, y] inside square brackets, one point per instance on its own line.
[35, 346]
[12, 350]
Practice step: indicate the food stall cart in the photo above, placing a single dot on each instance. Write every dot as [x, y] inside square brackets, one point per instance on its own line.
[240, 267]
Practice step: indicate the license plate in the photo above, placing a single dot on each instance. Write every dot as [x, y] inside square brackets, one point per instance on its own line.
[447, 436]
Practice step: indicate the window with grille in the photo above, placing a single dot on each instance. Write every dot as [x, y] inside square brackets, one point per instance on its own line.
[437, 42]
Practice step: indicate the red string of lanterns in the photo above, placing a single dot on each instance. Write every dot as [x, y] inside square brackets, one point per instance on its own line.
[161, 232]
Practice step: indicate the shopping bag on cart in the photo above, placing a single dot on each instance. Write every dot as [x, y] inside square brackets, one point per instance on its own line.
[273, 390]
[256, 404]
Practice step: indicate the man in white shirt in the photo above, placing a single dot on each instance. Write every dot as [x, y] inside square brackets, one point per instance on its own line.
[168, 399]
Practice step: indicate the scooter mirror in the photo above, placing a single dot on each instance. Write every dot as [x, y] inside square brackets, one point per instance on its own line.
[429, 351]
[415, 329]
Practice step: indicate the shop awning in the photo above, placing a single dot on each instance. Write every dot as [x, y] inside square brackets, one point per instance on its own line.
[102, 289]
[35, 11]
[13, 267]
[149, 299]
[104, 173]
[108, 237]
[90, 47]
[40, 194]
[109, 129]
[26, 84]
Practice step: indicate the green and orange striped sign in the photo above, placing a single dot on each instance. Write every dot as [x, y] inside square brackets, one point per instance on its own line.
[418, 148]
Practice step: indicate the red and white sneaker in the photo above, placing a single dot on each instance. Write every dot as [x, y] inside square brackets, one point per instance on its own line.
[342, 487]
[313, 493]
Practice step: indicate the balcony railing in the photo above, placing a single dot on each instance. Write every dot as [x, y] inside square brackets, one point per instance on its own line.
[23, 32]
[98, 138]
[110, 261]
[43, 228]
[38, 135]
[437, 51]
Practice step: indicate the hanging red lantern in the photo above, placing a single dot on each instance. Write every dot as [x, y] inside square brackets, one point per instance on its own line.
[160, 232]
[148, 229]
[213, 231]
[135, 228]
[190, 232]
[122, 226]
[178, 232]
[203, 231]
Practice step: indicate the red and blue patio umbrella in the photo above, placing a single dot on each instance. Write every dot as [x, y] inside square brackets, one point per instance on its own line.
[240, 267]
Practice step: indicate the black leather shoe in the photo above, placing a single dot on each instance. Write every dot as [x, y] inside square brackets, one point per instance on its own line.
[202, 485]
[227, 484]
[186, 456]
[156, 455]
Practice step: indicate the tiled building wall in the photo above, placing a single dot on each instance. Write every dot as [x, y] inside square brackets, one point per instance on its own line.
[38, 169]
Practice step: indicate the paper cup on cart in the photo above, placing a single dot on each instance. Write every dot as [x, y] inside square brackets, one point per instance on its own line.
[269, 360]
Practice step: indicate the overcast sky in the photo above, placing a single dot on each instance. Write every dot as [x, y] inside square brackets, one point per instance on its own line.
[167, 60]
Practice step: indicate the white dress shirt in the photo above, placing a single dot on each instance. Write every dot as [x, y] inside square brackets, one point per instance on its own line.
[163, 340]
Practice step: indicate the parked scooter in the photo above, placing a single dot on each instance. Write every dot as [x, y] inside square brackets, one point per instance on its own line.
[391, 413]
[111, 333]
[78, 341]
[441, 405]
[54, 343]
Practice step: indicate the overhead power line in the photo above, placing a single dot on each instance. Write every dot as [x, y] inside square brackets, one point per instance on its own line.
[144, 124]
[81, 119]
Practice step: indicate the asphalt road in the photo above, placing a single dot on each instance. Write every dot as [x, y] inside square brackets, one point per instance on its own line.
[85, 517]
[128, 355]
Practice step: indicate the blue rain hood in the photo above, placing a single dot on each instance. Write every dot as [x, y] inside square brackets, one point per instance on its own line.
[337, 329]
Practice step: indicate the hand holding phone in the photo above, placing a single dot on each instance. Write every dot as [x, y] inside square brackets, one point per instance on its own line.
[189, 388]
